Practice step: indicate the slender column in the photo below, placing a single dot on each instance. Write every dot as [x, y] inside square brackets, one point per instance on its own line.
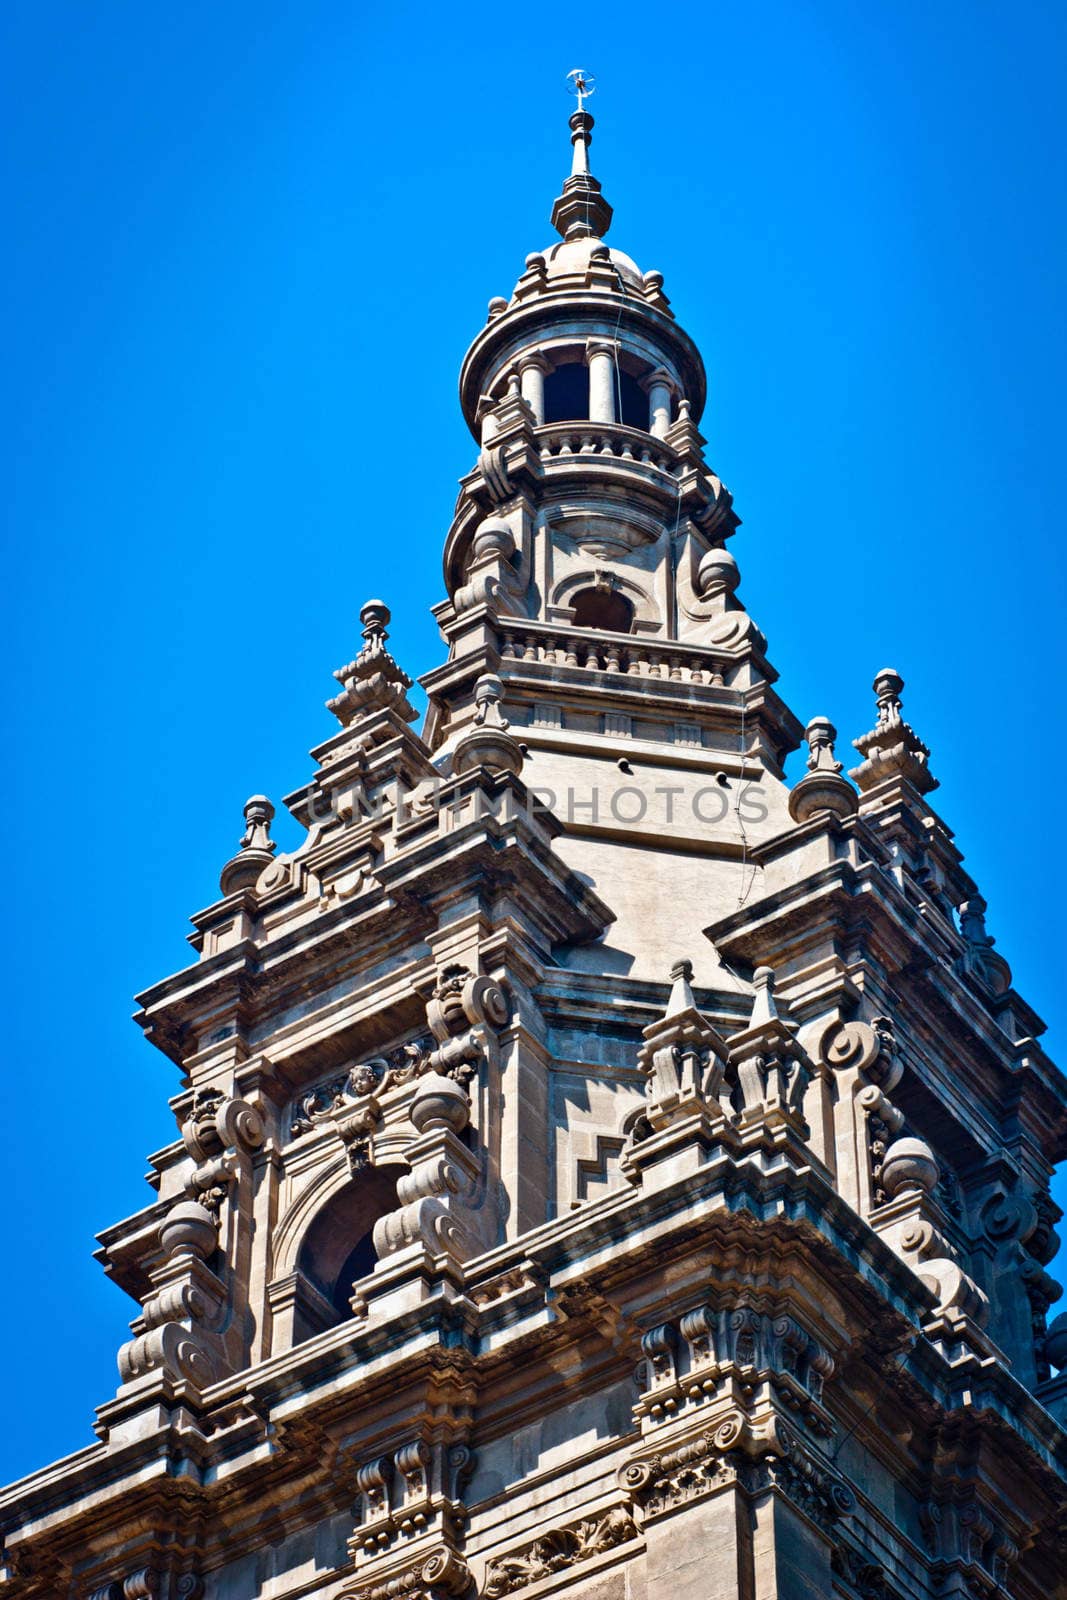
[659, 386]
[600, 357]
[532, 370]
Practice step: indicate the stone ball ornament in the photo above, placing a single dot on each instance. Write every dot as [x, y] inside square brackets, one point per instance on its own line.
[1056, 1342]
[439, 1103]
[717, 572]
[909, 1164]
[188, 1228]
[492, 538]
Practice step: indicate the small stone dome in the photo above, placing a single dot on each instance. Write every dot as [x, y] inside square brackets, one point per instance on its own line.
[572, 256]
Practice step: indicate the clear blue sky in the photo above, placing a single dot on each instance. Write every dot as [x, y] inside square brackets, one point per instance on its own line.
[247, 246]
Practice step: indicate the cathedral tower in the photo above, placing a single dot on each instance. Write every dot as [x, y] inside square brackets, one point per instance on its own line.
[600, 1167]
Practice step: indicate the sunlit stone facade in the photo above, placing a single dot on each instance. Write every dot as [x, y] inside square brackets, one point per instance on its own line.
[600, 1167]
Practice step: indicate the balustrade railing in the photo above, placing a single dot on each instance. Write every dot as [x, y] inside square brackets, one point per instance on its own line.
[562, 439]
[628, 657]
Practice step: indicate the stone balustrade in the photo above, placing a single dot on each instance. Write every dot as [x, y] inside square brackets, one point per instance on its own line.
[631, 446]
[614, 653]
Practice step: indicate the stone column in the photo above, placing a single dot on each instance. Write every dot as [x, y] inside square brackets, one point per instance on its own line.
[659, 386]
[600, 357]
[532, 370]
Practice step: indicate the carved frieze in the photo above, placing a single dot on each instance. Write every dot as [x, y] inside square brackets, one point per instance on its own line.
[558, 1549]
[371, 1077]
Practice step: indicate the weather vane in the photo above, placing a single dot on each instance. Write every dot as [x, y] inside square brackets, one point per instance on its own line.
[582, 84]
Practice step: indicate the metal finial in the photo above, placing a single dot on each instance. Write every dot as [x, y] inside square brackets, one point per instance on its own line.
[582, 84]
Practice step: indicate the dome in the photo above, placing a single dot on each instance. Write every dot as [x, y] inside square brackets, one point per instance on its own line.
[572, 255]
[571, 258]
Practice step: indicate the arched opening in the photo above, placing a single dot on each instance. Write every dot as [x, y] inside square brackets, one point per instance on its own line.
[567, 392]
[606, 609]
[338, 1248]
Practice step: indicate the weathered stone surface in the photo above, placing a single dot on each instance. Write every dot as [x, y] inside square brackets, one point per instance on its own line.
[599, 1167]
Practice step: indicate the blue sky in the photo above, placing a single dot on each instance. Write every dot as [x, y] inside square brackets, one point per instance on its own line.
[247, 247]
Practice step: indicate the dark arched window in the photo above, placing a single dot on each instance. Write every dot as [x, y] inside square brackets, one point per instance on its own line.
[603, 608]
[567, 393]
[338, 1247]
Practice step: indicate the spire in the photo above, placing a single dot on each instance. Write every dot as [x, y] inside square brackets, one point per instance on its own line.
[581, 212]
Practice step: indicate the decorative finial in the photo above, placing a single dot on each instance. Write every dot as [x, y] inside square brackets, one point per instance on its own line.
[488, 695]
[980, 961]
[892, 749]
[487, 743]
[581, 212]
[256, 847]
[375, 617]
[373, 681]
[823, 789]
[821, 734]
[887, 686]
[682, 997]
[258, 814]
[764, 1009]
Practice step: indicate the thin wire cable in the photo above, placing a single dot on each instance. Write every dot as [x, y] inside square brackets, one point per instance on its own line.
[615, 340]
[899, 1363]
[746, 784]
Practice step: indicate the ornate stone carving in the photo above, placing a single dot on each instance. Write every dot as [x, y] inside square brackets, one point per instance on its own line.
[662, 1482]
[177, 1331]
[217, 1127]
[822, 789]
[368, 1080]
[373, 681]
[882, 1121]
[491, 576]
[965, 1540]
[174, 1330]
[256, 847]
[811, 1484]
[556, 1550]
[365, 1079]
[435, 1195]
[439, 1574]
[509, 457]
[773, 1070]
[866, 1578]
[147, 1583]
[487, 743]
[758, 1454]
[980, 964]
[723, 1346]
[892, 748]
[144, 1584]
[463, 1000]
[928, 1253]
[411, 1520]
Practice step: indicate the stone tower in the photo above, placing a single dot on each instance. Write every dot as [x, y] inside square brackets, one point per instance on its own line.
[600, 1168]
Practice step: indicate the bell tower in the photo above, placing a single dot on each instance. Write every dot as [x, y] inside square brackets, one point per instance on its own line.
[587, 568]
[599, 1166]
